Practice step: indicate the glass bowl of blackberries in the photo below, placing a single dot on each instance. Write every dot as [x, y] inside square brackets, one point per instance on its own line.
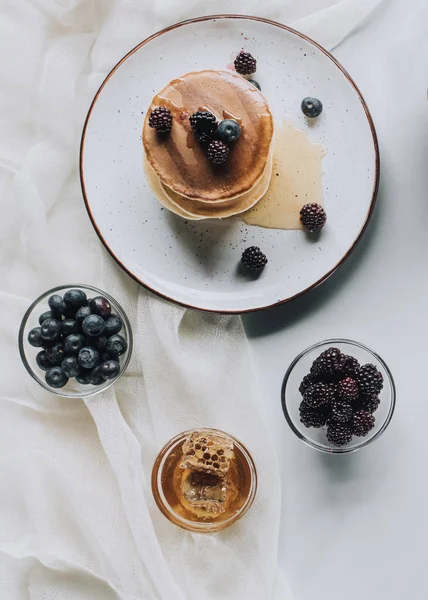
[338, 396]
[75, 340]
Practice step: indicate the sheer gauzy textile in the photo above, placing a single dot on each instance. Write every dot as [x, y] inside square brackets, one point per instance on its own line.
[77, 519]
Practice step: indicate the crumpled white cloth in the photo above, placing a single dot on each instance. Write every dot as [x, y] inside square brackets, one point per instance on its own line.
[77, 518]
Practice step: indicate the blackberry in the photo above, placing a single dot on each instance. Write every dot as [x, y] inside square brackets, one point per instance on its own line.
[370, 380]
[338, 433]
[341, 412]
[348, 390]
[319, 395]
[245, 64]
[351, 366]
[313, 217]
[204, 125]
[312, 418]
[161, 119]
[306, 382]
[254, 259]
[362, 423]
[329, 365]
[217, 152]
[367, 403]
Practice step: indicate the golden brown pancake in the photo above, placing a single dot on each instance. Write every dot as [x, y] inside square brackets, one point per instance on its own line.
[180, 162]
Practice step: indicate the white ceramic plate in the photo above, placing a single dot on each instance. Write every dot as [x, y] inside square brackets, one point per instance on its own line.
[195, 263]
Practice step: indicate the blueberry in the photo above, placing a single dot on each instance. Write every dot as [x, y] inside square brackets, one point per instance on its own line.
[100, 306]
[82, 313]
[113, 325]
[55, 354]
[83, 377]
[73, 343]
[256, 83]
[100, 343]
[311, 107]
[57, 304]
[110, 369]
[105, 356]
[88, 357]
[93, 325]
[46, 315]
[35, 337]
[69, 326]
[42, 361]
[55, 377]
[70, 366]
[116, 345]
[95, 376]
[75, 298]
[51, 330]
[229, 130]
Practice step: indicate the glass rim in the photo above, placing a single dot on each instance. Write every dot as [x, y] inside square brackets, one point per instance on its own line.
[363, 443]
[21, 341]
[163, 504]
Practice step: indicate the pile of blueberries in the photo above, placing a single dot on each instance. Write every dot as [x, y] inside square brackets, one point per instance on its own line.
[80, 338]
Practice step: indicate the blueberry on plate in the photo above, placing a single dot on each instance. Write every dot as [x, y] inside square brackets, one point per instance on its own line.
[113, 325]
[88, 357]
[83, 377]
[57, 304]
[311, 107]
[35, 337]
[75, 298]
[55, 353]
[229, 130]
[73, 343]
[93, 325]
[55, 377]
[69, 326]
[42, 361]
[82, 313]
[116, 345]
[100, 343]
[51, 330]
[46, 315]
[256, 83]
[70, 366]
[95, 376]
[100, 306]
[110, 369]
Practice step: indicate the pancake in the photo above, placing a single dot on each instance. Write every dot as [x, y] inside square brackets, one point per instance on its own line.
[180, 162]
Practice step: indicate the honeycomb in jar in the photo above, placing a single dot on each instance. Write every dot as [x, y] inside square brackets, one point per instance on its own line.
[204, 451]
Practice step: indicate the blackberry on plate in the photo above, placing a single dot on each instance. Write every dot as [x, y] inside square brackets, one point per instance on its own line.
[351, 366]
[217, 152]
[319, 395]
[341, 412]
[370, 380]
[362, 423]
[348, 389]
[306, 382]
[311, 107]
[311, 417]
[329, 365]
[245, 64]
[204, 125]
[313, 217]
[161, 119]
[367, 403]
[254, 259]
[338, 433]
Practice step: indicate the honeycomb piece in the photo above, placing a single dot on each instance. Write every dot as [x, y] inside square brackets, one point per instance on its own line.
[204, 451]
[204, 494]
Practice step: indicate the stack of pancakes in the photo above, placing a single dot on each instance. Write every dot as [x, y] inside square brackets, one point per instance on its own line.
[177, 166]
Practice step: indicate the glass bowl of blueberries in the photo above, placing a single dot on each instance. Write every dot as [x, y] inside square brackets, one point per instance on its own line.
[338, 396]
[75, 340]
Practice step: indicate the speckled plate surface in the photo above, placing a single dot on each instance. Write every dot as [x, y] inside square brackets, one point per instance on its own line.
[195, 263]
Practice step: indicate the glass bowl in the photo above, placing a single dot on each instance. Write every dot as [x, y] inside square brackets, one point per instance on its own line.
[73, 389]
[166, 477]
[291, 397]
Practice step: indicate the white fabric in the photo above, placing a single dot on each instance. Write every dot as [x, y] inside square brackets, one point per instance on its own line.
[77, 519]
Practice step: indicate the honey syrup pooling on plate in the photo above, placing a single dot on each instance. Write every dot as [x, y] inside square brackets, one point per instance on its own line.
[206, 479]
[296, 180]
